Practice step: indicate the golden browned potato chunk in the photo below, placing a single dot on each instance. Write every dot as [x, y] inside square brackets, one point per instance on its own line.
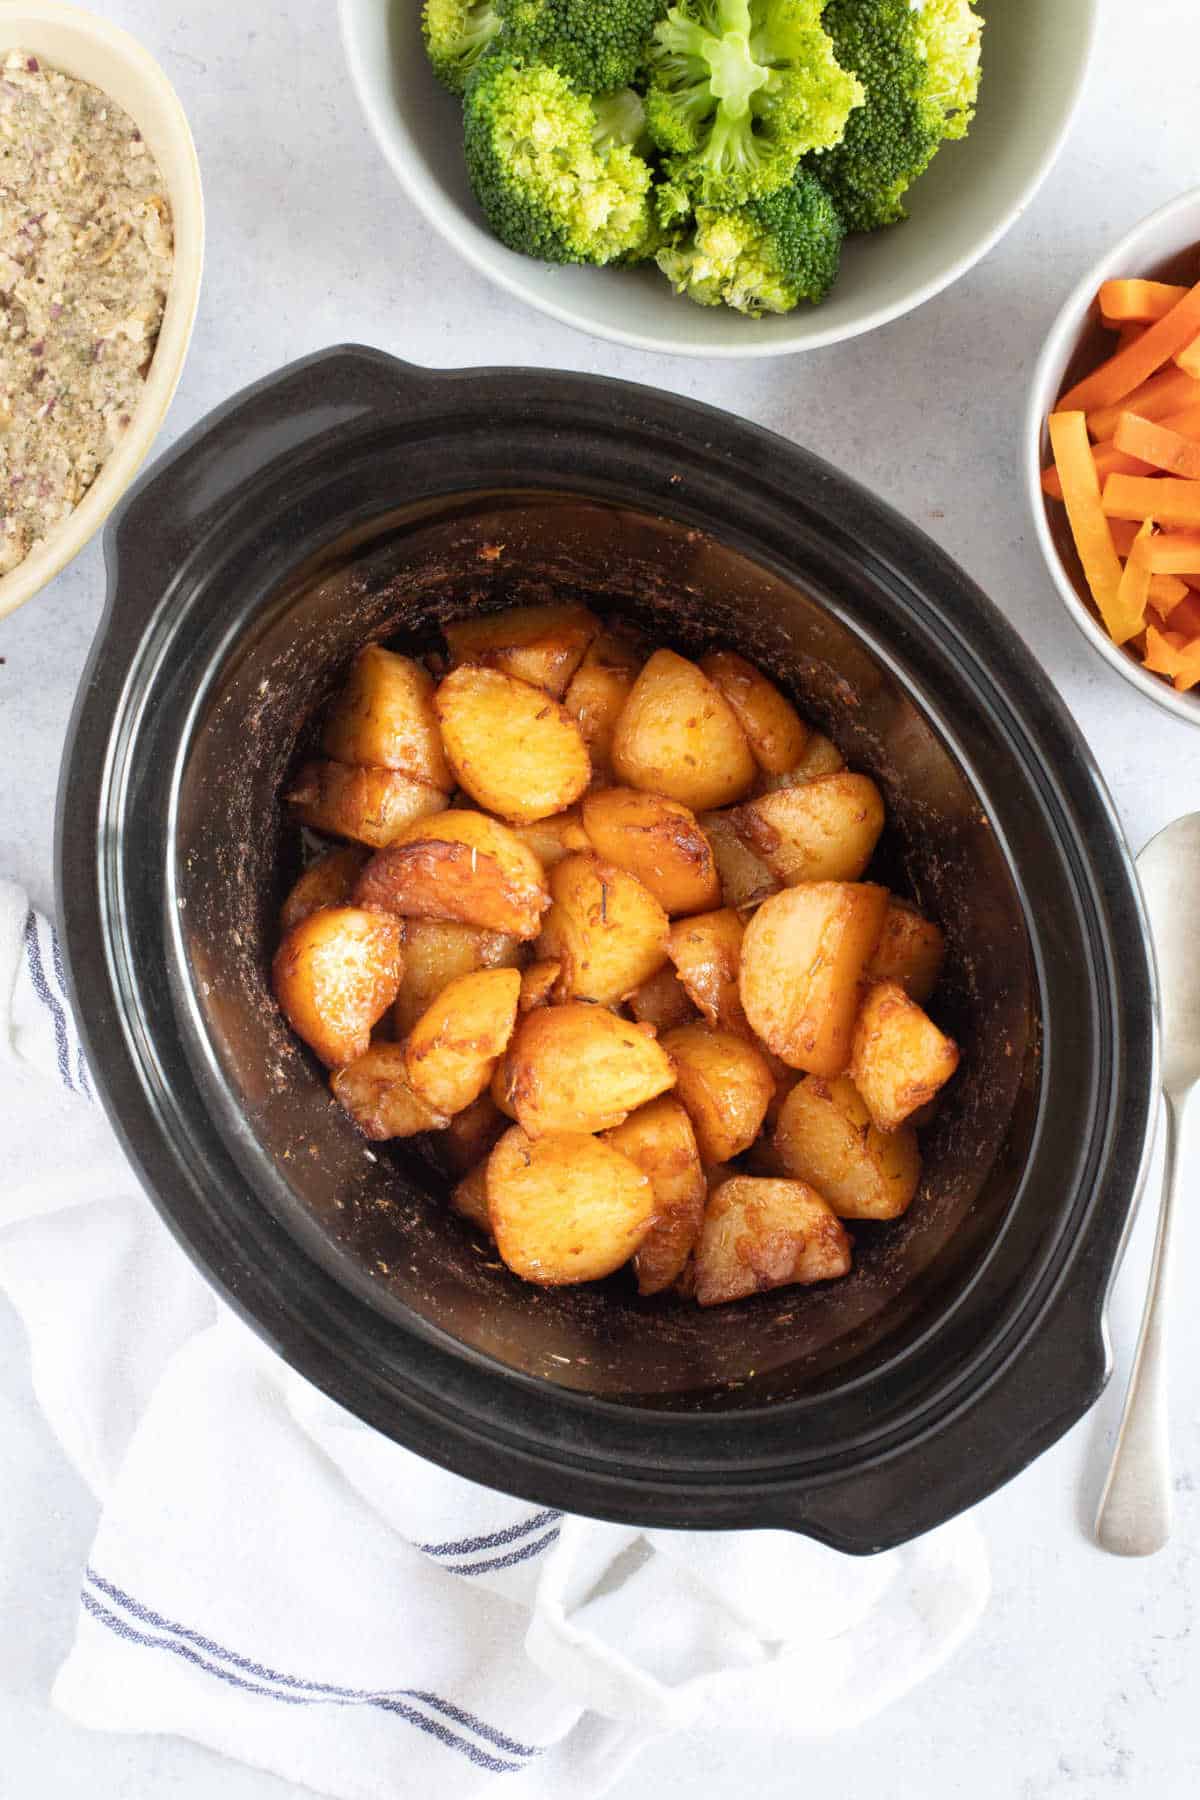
[663, 1002]
[328, 882]
[469, 1198]
[512, 746]
[760, 1234]
[826, 830]
[678, 736]
[606, 930]
[598, 691]
[438, 950]
[452, 1049]
[824, 1135]
[371, 806]
[552, 839]
[745, 880]
[820, 757]
[470, 1135]
[707, 951]
[375, 1090]
[566, 1207]
[581, 1068]
[909, 952]
[459, 865]
[899, 1058]
[803, 958]
[384, 718]
[336, 973]
[541, 644]
[659, 841]
[659, 1139]
[774, 729]
[537, 984]
[725, 1084]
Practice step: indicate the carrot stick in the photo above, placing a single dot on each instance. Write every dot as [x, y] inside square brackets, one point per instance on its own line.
[1129, 334]
[1182, 615]
[1152, 497]
[1129, 368]
[1089, 527]
[1134, 589]
[1137, 302]
[1174, 552]
[1157, 445]
[1108, 460]
[1162, 394]
[1168, 592]
[1188, 359]
[1170, 653]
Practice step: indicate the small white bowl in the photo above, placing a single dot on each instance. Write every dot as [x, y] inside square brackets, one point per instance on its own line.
[1035, 59]
[1166, 247]
[90, 49]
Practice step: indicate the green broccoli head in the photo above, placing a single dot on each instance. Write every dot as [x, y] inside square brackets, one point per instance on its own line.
[920, 69]
[766, 256]
[456, 34]
[596, 46]
[739, 90]
[548, 181]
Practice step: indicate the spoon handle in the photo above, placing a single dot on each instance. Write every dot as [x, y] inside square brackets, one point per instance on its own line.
[1134, 1517]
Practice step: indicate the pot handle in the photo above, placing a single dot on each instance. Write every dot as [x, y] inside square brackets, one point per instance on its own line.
[278, 420]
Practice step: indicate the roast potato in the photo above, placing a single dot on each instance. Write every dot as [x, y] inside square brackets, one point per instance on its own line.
[899, 1059]
[566, 1207]
[327, 882]
[370, 806]
[825, 830]
[803, 957]
[458, 865]
[540, 644]
[334, 975]
[581, 1068]
[745, 880]
[663, 1002]
[452, 1049]
[825, 1136]
[375, 1090]
[724, 1083]
[909, 952]
[760, 1234]
[707, 951]
[438, 950]
[469, 1136]
[469, 1198]
[660, 1141]
[513, 748]
[678, 736]
[537, 984]
[607, 931]
[384, 719]
[598, 691]
[819, 757]
[552, 839]
[774, 729]
[659, 841]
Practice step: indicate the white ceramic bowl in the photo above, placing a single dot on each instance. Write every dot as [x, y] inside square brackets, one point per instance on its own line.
[1164, 246]
[92, 50]
[1035, 59]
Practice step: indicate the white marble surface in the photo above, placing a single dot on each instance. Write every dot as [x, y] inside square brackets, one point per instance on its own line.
[1083, 1678]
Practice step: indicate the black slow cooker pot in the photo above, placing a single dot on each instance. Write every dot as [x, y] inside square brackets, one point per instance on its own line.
[352, 497]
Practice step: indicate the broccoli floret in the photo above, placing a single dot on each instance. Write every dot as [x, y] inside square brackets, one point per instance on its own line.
[597, 46]
[672, 205]
[766, 256]
[739, 90]
[547, 187]
[920, 68]
[456, 33]
[619, 118]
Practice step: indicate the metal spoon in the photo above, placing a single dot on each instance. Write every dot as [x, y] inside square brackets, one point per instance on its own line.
[1134, 1518]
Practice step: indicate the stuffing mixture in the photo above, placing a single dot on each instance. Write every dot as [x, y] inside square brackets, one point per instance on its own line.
[85, 263]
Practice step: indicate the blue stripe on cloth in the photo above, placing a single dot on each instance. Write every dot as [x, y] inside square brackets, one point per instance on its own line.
[81, 1068]
[41, 987]
[384, 1702]
[504, 1562]
[317, 1689]
[464, 1546]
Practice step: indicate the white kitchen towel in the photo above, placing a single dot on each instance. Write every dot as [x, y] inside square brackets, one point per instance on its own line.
[273, 1579]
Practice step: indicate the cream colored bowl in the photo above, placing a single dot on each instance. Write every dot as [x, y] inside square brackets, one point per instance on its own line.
[92, 50]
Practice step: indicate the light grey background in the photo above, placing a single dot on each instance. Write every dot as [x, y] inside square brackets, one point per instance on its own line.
[1084, 1678]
